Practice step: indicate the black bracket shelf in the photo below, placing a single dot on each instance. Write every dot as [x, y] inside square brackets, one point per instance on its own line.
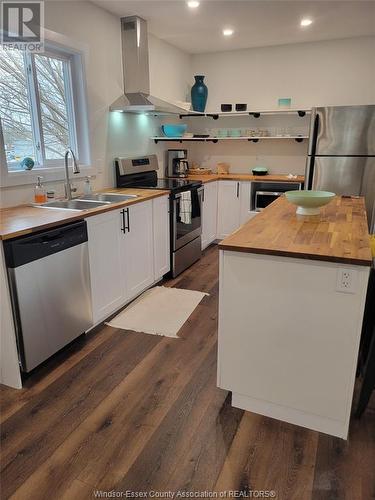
[215, 140]
[191, 114]
[186, 140]
[255, 114]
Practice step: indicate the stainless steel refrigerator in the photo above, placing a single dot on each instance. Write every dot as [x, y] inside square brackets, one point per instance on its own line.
[341, 154]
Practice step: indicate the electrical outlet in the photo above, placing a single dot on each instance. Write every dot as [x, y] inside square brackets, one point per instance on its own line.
[346, 280]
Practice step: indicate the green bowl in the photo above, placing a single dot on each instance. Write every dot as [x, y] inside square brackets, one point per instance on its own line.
[309, 202]
[259, 171]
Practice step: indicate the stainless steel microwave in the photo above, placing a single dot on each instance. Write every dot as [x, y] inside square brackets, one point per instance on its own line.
[265, 198]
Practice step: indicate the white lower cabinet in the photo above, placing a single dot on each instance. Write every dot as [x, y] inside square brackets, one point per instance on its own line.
[162, 262]
[245, 202]
[209, 214]
[228, 208]
[128, 252]
[107, 264]
[137, 246]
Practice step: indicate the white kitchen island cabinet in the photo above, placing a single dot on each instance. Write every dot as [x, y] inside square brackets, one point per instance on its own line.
[289, 331]
[209, 214]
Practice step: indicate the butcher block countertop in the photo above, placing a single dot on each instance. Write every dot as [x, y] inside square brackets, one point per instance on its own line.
[26, 219]
[246, 177]
[338, 234]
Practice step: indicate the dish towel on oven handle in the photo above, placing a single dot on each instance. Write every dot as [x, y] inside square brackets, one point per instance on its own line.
[185, 207]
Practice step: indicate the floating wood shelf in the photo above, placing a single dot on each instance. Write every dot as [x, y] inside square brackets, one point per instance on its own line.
[297, 138]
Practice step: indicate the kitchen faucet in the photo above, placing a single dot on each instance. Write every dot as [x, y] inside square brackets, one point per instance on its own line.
[68, 186]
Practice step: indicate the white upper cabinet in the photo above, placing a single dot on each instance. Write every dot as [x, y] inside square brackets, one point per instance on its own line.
[161, 237]
[107, 270]
[228, 208]
[137, 246]
[209, 213]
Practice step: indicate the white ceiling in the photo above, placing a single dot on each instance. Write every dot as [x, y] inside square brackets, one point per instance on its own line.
[257, 23]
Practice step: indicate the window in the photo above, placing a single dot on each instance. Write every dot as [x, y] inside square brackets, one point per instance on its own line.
[38, 108]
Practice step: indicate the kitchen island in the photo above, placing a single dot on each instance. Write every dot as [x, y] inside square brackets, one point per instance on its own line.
[292, 296]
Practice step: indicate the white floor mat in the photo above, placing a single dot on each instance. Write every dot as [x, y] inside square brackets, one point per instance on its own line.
[159, 311]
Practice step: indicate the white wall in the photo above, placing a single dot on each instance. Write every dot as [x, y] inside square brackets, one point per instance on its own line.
[320, 73]
[97, 33]
[170, 70]
[333, 72]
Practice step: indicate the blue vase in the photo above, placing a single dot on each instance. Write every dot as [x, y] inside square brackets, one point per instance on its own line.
[199, 93]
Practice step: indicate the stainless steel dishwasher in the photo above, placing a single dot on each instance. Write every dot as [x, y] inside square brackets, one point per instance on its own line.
[50, 290]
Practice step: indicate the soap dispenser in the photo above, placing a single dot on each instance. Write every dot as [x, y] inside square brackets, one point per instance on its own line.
[40, 195]
[87, 186]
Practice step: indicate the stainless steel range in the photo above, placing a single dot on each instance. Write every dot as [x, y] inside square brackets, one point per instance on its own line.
[185, 206]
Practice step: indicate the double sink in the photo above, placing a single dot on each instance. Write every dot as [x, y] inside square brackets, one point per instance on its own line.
[87, 201]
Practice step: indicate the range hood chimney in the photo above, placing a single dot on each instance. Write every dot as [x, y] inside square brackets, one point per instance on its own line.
[137, 98]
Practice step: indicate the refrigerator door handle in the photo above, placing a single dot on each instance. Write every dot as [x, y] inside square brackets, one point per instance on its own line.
[309, 173]
[314, 133]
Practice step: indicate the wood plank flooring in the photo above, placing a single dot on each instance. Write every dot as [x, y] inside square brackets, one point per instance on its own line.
[128, 411]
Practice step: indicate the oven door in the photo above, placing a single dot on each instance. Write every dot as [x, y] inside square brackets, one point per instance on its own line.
[265, 198]
[186, 217]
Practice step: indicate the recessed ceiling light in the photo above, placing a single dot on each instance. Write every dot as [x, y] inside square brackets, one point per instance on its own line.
[228, 32]
[306, 22]
[193, 4]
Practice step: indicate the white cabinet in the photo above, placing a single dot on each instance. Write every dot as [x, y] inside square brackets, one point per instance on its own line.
[121, 253]
[106, 263]
[209, 214]
[161, 237]
[228, 208]
[137, 244]
[245, 202]
[287, 366]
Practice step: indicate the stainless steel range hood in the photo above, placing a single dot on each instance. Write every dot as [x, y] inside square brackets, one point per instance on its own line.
[137, 98]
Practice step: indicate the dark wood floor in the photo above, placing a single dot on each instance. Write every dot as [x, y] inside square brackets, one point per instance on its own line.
[128, 411]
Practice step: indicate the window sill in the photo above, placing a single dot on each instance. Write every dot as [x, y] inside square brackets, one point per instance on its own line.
[49, 174]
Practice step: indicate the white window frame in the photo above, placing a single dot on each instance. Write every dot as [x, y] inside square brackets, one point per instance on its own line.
[75, 83]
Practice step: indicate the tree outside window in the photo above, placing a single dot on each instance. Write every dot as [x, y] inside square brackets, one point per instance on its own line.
[36, 108]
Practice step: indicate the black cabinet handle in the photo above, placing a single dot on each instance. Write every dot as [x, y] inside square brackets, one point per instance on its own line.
[123, 229]
[128, 218]
[238, 189]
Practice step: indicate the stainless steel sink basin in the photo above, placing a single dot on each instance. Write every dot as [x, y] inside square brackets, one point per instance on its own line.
[76, 205]
[108, 197]
[85, 202]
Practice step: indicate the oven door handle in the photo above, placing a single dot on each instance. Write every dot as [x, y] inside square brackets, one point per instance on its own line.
[269, 193]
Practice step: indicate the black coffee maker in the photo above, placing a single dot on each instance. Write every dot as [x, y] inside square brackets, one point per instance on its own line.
[176, 163]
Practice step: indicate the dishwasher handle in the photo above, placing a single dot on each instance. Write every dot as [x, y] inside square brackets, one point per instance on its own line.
[26, 249]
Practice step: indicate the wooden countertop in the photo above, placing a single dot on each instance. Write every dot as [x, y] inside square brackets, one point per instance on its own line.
[338, 234]
[25, 219]
[246, 177]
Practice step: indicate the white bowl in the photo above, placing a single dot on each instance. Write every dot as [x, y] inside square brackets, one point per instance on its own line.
[309, 202]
